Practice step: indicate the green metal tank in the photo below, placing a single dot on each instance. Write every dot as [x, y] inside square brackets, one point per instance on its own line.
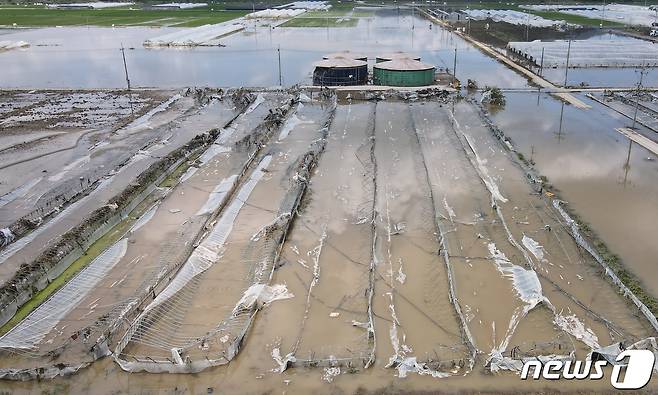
[403, 72]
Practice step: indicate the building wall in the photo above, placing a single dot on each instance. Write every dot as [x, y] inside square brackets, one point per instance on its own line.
[340, 76]
[403, 78]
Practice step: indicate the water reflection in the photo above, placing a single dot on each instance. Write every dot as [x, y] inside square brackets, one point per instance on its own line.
[611, 182]
[86, 57]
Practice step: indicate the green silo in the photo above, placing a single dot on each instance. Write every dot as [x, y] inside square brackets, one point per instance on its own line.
[403, 72]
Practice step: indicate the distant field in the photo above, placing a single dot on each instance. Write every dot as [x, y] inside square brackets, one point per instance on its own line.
[321, 22]
[580, 20]
[39, 16]
[340, 15]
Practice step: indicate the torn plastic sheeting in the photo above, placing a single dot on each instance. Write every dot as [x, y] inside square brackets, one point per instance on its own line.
[23, 241]
[7, 45]
[40, 373]
[43, 319]
[572, 325]
[411, 365]
[211, 152]
[143, 122]
[282, 362]
[218, 195]
[610, 353]
[202, 35]
[278, 221]
[498, 362]
[259, 295]
[7, 236]
[534, 247]
[144, 219]
[526, 283]
[188, 174]
[290, 124]
[208, 252]
[482, 170]
[580, 240]
[260, 98]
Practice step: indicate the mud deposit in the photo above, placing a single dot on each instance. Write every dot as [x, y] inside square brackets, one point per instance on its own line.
[332, 247]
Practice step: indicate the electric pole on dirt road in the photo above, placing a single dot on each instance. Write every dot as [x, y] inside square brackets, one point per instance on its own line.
[125, 69]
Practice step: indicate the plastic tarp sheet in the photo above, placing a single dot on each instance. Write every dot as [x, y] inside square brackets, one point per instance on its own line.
[513, 17]
[41, 321]
[590, 53]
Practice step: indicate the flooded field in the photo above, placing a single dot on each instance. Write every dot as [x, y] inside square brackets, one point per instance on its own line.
[313, 243]
[605, 77]
[172, 240]
[610, 181]
[90, 57]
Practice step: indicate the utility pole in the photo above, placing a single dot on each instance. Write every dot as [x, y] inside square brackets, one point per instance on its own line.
[566, 69]
[280, 78]
[454, 66]
[637, 95]
[559, 132]
[627, 164]
[125, 69]
[541, 64]
[527, 29]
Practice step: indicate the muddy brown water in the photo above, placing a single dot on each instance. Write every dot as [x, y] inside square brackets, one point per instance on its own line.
[77, 57]
[589, 163]
[430, 170]
[438, 167]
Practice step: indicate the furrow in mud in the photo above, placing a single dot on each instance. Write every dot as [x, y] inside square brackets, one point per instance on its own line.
[325, 260]
[476, 240]
[411, 292]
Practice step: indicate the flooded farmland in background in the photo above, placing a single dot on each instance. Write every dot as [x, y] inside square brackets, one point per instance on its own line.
[603, 77]
[90, 57]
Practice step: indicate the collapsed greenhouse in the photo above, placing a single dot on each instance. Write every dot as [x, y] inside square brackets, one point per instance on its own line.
[347, 229]
[587, 53]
